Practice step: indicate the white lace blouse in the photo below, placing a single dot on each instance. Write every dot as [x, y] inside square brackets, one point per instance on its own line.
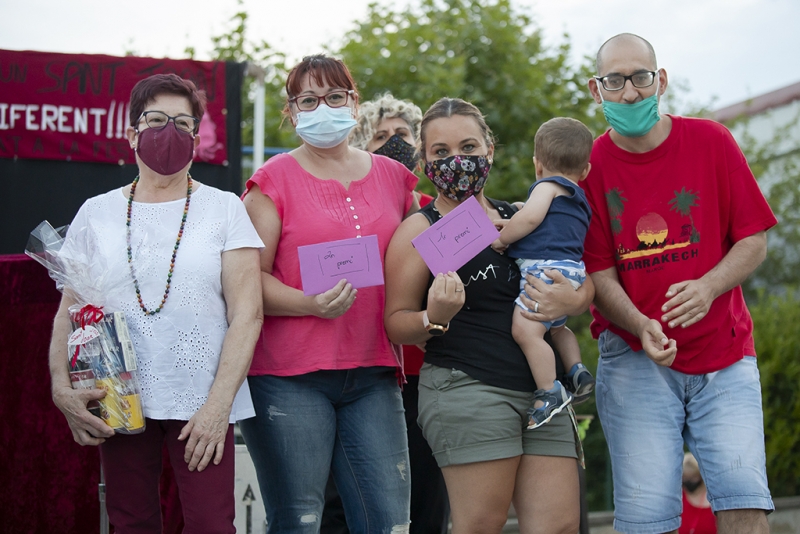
[178, 349]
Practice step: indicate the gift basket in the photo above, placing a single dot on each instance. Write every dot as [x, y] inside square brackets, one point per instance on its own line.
[100, 351]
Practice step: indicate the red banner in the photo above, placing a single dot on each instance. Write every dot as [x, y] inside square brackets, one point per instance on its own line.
[74, 107]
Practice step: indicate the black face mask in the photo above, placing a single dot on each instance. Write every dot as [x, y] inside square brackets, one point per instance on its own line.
[691, 485]
[397, 149]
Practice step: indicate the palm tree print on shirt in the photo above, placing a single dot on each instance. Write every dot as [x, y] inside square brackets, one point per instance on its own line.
[616, 206]
[651, 229]
[683, 203]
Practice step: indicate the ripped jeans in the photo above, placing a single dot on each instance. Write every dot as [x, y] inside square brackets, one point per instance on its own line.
[349, 422]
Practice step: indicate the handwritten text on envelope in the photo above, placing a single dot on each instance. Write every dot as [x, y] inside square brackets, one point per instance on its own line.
[357, 260]
[456, 238]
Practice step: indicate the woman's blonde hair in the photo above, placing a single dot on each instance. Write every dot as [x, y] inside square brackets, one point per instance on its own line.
[372, 112]
[447, 107]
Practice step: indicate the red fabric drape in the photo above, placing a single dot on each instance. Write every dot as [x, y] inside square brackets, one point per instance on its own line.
[49, 482]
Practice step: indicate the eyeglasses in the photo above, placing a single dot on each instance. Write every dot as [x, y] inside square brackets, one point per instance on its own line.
[615, 82]
[158, 120]
[334, 99]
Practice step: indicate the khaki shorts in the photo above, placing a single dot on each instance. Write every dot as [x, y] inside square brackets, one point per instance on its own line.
[466, 421]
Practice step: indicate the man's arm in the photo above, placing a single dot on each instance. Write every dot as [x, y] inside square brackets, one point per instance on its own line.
[615, 305]
[689, 301]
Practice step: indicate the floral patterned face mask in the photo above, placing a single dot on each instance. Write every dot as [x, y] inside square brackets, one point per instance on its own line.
[459, 177]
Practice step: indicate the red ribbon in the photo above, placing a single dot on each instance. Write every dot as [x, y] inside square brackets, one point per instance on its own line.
[86, 316]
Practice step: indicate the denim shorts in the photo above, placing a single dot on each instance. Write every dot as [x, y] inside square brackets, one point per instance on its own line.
[574, 271]
[648, 412]
[466, 421]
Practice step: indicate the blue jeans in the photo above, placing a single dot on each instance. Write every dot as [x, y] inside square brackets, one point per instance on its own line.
[649, 411]
[350, 423]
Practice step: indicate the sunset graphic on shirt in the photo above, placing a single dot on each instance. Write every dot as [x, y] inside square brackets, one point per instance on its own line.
[653, 234]
[651, 228]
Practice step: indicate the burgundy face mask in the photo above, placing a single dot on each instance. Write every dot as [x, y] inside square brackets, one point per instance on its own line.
[166, 151]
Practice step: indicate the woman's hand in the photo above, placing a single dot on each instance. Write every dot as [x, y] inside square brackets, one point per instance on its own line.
[551, 301]
[87, 429]
[336, 301]
[206, 432]
[445, 298]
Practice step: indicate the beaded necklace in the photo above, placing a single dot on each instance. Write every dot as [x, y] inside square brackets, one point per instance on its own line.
[174, 251]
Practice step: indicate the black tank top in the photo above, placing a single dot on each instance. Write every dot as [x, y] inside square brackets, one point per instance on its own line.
[479, 340]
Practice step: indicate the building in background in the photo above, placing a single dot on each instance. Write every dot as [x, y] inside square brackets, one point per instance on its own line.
[773, 118]
[767, 127]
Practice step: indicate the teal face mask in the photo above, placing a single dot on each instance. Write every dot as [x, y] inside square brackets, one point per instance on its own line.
[632, 120]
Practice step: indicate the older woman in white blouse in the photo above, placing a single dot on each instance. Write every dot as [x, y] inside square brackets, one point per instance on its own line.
[194, 317]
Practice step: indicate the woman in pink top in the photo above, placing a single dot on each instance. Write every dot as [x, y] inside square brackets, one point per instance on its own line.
[323, 377]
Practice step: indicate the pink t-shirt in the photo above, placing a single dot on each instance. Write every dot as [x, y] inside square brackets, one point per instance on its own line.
[669, 215]
[316, 211]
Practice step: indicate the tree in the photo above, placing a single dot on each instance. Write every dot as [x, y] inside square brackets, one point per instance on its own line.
[482, 51]
[777, 338]
[233, 45]
[616, 206]
[682, 203]
[775, 161]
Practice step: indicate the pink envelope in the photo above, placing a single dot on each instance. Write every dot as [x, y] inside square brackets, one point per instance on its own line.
[456, 238]
[358, 260]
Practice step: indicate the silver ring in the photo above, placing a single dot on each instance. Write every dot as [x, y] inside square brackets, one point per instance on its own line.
[536, 306]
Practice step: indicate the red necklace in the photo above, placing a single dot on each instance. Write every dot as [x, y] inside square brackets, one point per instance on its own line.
[174, 251]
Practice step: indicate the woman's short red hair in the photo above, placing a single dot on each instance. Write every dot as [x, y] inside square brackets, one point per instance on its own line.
[323, 69]
[149, 88]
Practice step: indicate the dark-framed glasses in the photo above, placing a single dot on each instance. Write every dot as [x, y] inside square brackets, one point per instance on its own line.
[334, 99]
[158, 120]
[615, 82]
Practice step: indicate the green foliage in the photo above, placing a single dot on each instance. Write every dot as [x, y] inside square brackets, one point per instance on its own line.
[776, 164]
[234, 45]
[775, 319]
[130, 49]
[598, 466]
[583, 427]
[482, 51]
[676, 100]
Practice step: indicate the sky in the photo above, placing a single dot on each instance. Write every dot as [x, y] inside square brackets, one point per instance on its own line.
[720, 51]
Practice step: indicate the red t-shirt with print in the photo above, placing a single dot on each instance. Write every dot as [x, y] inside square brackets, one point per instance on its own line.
[670, 215]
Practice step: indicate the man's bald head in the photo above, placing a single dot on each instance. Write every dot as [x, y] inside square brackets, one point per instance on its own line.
[624, 39]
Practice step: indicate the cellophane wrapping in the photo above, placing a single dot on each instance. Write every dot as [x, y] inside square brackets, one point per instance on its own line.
[100, 351]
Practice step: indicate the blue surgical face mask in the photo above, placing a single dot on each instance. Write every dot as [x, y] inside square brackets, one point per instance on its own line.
[632, 120]
[325, 127]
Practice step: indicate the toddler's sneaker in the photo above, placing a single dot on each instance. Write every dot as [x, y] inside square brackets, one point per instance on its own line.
[580, 382]
[554, 401]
